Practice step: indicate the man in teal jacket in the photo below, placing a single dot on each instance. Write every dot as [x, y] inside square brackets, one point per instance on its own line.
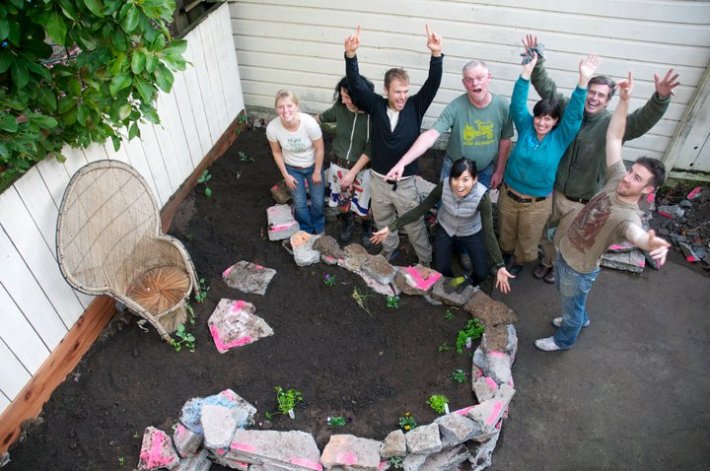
[582, 170]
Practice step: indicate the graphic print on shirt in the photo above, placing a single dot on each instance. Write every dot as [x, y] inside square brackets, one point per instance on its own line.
[296, 144]
[480, 135]
[582, 233]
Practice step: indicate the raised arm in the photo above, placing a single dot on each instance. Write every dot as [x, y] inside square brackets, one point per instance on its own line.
[587, 66]
[433, 42]
[617, 126]
[644, 118]
[360, 92]
[648, 241]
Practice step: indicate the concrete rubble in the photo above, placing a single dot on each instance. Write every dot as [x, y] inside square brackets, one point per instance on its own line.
[234, 324]
[248, 277]
[302, 246]
[282, 224]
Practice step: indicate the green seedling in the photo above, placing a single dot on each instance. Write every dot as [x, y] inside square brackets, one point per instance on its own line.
[407, 422]
[329, 280]
[136, 435]
[393, 302]
[361, 300]
[458, 376]
[473, 330]
[122, 461]
[449, 315]
[337, 421]
[287, 400]
[243, 157]
[445, 347]
[186, 339]
[438, 403]
[205, 178]
[190, 314]
[395, 462]
[242, 119]
[202, 295]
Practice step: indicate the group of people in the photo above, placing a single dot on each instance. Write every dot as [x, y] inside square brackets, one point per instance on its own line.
[562, 187]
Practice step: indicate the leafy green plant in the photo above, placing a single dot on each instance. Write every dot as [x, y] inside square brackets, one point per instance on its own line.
[438, 403]
[204, 289]
[361, 299]
[407, 422]
[395, 462]
[445, 347]
[473, 330]
[449, 315]
[287, 399]
[243, 157]
[337, 421]
[204, 179]
[190, 314]
[458, 376]
[329, 280]
[78, 72]
[122, 461]
[185, 339]
[393, 302]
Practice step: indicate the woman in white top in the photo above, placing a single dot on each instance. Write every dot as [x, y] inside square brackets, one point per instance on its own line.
[296, 142]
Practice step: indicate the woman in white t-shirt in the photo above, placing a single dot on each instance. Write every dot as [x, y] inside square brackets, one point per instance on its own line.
[296, 142]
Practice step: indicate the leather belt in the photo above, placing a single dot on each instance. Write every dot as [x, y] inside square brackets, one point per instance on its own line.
[577, 200]
[520, 199]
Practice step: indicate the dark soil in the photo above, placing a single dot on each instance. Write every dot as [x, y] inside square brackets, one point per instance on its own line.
[368, 367]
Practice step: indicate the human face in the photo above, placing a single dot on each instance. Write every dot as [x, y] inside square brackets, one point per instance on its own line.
[543, 125]
[635, 182]
[287, 110]
[462, 185]
[397, 94]
[347, 101]
[475, 81]
[597, 98]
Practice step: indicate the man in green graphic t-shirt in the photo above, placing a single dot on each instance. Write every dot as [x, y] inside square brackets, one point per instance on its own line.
[481, 130]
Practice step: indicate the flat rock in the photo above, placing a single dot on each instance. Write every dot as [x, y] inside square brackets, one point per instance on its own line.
[302, 246]
[378, 268]
[424, 439]
[457, 296]
[234, 324]
[351, 452]
[248, 277]
[191, 413]
[157, 451]
[281, 223]
[394, 444]
[328, 246]
[416, 280]
[489, 311]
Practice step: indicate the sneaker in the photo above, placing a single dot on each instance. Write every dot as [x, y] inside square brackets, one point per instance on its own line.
[515, 269]
[541, 271]
[547, 344]
[557, 322]
[549, 277]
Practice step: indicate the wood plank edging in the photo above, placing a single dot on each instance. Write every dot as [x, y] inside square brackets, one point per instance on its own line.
[61, 362]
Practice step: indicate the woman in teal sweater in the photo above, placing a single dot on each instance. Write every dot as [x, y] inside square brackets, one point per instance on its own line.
[525, 203]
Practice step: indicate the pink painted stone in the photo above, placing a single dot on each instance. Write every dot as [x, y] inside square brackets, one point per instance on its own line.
[421, 282]
[348, 458]
[157, 451]
[308, 464]
[463, 411]
[234, 324]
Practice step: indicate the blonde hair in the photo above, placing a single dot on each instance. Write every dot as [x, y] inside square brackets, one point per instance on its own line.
[285, 94]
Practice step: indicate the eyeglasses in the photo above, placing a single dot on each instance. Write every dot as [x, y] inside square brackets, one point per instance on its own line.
[477, 78]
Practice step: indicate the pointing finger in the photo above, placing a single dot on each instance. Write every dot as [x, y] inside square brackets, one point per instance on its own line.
[428, 33]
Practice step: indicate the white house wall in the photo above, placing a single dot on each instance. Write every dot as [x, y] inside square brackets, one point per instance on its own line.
[299, 45]
[37, 306]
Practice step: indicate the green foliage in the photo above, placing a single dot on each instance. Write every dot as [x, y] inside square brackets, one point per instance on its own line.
[473, 330]
[395, 462]
[449, 315]
[243, 157]
[205, 178]
[393, 302]
[203, 290]
[99, 77]
[337, 421]
[361, 299]
[122, 461]
[329, 280]
[445, 347]
[287, 400]
[438, 403]
[407, 422]
[458, 376]
[185, 339]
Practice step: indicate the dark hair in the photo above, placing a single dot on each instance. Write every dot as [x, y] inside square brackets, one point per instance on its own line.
[397, 73]
[343, 83]
[657, 169]
[548, 107]
[603, 80]
[460, 166]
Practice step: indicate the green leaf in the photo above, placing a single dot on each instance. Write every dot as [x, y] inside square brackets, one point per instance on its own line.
[116, 142]
[45, 122]
[82, 115]
[151, 62]
[68, 9]
[132, 19]
[177, 48]
[145, 89]
[118, 65]
[151, 115]
[46, 98]
[119, 82]
[56, 28]
[4, 151]
[164, 78]
[19, 73]
[4, 28]
[5, 60]
[74, 87]
[66, 103]
[96, 7]
[124, 112]
[133, 131]
[8, 123]
[138, 61]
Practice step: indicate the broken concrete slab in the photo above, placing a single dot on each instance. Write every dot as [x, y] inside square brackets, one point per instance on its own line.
[302, 246]
[501, 338]
[192, 410]
[447, 460]
[157, 451]
[248, 277]
[416, 280]
[458, 296]
[351, 452]
[394, 444]
[455, 429]
[489, 413]
[197, 462]
[234, 324]
[633, 261]
[413, 462]
[484, 388]
[328, 246]
[489, 311]
[219, 424]
[294, 450]
[481, 456]
[378, 268]
[282, 224]
[186, 441]
[424, 439]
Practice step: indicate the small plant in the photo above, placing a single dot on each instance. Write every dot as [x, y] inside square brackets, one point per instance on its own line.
[186, 339]
[395, 462]
[205, 178]
[473, 330]
[190, 314]
[439, 403]
[449, 315]
[122, 461]
[393, 302]
[202, 295]
[445, 347]
[361, 299]
[287, 400]
[337, 421]
[243, 157]
[407, 422]
[136, 434]
[458, 376]
[329, 280]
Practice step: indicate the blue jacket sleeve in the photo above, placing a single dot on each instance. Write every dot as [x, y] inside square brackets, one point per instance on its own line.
[519, 107]
[572, 117]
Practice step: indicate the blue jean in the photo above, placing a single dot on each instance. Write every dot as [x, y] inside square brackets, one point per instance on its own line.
[484, 175]
[475, 247]
[310, 219]
[574, 288]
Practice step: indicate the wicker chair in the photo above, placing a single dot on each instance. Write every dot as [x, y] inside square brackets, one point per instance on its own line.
[109, 241]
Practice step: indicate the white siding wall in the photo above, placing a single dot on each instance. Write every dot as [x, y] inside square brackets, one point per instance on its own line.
[37, 306]
[298, 45]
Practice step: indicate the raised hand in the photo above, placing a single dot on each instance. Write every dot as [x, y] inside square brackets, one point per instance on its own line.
[665, 86]
[529, 41]
[625, 86]
[657, 247]
[433, 42]
[587, 66]
[352, 42]
[528, 68]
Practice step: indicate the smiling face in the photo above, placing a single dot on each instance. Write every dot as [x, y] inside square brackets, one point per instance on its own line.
[462, 185]
[475, 81]
[287, 110]
[543, 125]
[347, 101]
[636, 182]
[598, 96]
[397, 93]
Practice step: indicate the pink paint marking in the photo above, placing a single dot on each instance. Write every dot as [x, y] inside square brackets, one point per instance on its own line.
[665, 214]
[616, 247]
[419, 281]
[237, 305]
[691, 258]
[463, 411]
[651, 197]
[242, 447]
[282, 227]
[491, 382]
[226, 272]
[495, 415]
[693, 194]
[223, 346]
[306, 463]
[642, 263]
[229, 394]
[258, 267]
[348, 458]
[383, 465]
[154, 456]
[496, 354]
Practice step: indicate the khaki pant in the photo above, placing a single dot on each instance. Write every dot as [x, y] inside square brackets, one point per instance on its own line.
[386, 203]
[561, 207]
[521, 225]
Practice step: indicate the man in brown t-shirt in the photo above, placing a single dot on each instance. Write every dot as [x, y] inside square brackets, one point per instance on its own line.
[611, 216]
